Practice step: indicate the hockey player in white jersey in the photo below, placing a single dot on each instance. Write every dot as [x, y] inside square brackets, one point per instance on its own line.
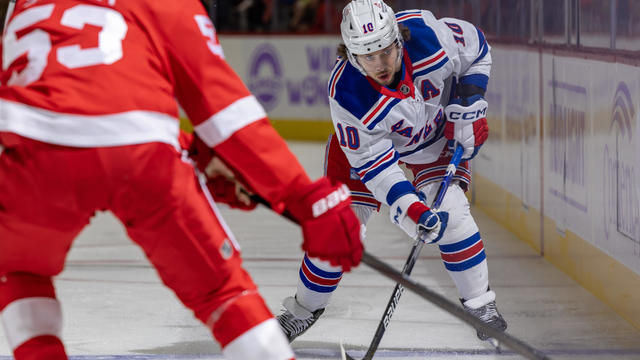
[406, 88]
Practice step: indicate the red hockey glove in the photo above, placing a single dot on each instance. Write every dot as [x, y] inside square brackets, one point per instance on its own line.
[330, 228]
[230, 192]
[467, 124]
[222, 183]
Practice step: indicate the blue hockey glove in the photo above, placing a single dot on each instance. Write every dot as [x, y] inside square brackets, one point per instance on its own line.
[417, 220]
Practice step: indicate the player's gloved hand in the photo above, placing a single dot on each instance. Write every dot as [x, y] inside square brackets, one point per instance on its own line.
[222, 183]
[467, 124]
[230, 192]
[417, 220]
[330, 228]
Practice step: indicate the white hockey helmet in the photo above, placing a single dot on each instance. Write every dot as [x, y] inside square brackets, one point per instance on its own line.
[368, 26]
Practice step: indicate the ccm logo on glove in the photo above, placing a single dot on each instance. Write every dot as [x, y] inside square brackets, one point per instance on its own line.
[466, 125]
[330, 201]
[470, 115]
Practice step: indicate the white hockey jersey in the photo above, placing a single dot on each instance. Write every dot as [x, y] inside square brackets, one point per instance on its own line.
[378, 126]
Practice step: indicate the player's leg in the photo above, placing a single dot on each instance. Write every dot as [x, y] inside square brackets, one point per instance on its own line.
[31, 316]
[39, 217]
[463, 255]
[317, 279]
[173, 218]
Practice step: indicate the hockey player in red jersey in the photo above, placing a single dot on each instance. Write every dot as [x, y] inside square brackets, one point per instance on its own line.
[89, 93]
[406, 88]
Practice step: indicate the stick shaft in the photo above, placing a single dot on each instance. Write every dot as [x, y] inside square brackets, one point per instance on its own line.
[411, 260]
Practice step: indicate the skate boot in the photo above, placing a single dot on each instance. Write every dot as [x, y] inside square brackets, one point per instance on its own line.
[484, 308]
[295, 319]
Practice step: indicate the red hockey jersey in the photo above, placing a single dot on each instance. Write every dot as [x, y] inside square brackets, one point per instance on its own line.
[87, 73]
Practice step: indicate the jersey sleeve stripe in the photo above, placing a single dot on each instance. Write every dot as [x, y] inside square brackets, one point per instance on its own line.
[388, 158]
[483, 47]
[335, 77]
[381, 167]
[399, 189]
[402, 15]
[408, 16]
[234, 117]
[125, 128]
[372, 164]
[373, 113]
[428, 61]
[406, 12]
[435, 67]
[382, 114]
[479, 80]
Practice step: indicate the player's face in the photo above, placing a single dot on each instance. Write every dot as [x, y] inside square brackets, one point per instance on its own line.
[381, 65]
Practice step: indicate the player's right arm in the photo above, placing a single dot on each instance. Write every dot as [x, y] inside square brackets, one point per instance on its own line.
[373, 157]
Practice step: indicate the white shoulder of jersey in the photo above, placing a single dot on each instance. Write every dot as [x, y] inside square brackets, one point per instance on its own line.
[465, 45]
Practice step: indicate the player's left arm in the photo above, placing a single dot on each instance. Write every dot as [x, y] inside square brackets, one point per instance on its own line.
[225, 115]
[466, 112]
[229, 120]
[223, 183]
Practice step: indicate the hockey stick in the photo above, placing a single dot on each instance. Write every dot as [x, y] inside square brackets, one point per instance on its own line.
[514, 343]
[413, 257]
